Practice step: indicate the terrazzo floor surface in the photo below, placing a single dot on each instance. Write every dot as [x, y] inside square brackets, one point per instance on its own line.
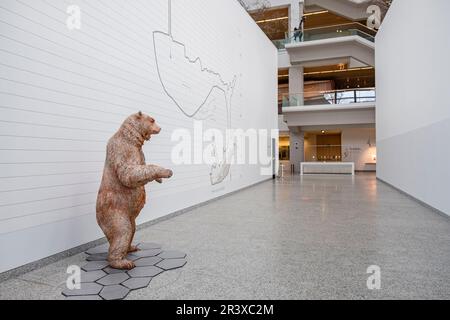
[293, 238]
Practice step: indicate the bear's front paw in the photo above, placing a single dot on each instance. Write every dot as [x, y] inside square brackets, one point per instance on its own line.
[167, 173]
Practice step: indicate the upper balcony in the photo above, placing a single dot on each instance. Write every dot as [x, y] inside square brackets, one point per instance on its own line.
[296, 38]
[349, 40]
[330, 107]
[329, 98]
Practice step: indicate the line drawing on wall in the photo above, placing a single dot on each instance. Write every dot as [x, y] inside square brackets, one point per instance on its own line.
[191, 92]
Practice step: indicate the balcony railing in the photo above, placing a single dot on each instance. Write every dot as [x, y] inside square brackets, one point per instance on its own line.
[329, 97]
[335, 31]
[281, 44]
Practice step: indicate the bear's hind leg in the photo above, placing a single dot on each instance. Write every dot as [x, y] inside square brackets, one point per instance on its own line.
[132, 248]
[120, 239]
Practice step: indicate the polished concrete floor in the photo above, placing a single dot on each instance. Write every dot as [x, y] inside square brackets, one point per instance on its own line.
[295, 238]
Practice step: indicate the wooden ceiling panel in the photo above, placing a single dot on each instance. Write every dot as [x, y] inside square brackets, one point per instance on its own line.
[324, 19]
[274, 22]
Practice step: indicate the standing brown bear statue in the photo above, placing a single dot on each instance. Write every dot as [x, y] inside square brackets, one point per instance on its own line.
[122, 194]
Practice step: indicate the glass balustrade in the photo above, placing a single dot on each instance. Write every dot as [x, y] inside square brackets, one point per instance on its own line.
[329, 97]
[280, 44]
[335, 31]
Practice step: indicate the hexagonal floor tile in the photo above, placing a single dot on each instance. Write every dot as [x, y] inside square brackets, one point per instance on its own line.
[97, 257]
[142, 272]
[149, 246]
[146, 253]
[116, 292]
[112, 279]
[137, 283]
[172, 254]
[100, 281]
[170, 264]
[86, 289]
[92, 276]
[133, 256]
[99, 249]
[144, 262]
[95, 265]
[110, 270]
[85, 298]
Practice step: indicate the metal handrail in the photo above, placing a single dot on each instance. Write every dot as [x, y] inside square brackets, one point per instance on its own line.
[292, 99]
[371, 37]
[330, 91]
[340, 25]
[324, 27]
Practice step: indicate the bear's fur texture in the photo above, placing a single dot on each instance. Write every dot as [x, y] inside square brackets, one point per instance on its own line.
[122, 194]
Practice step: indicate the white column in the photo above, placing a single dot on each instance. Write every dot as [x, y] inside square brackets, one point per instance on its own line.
[296, 14]
[297, 146]
[296, 85]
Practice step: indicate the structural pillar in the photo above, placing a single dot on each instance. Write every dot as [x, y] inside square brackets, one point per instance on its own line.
[296, 14]
[297, 147]
[296, 86]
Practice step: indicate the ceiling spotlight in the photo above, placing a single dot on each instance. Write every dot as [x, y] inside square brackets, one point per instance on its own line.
[272, 20]
[314, 13]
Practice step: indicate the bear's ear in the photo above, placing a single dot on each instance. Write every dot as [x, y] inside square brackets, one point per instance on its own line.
[140, 114]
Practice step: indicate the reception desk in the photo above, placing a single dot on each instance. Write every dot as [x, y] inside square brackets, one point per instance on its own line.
[327, 168]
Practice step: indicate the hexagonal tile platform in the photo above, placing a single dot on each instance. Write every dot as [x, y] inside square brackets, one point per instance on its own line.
[115, 292]
[137, 283]
[133, 256]
[98, 257]
[149, 246]
[110, 270]
[112, 279]
[144, 262]
[170, 264]
[143, 272]
[101, 282]
[94, 265]
[146, 253]
[172, 254]
[86, 289]
[96, 297]
[92, 276]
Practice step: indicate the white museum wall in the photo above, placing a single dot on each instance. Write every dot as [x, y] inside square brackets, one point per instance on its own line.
[65, 92]
[360, 145]
[413, 111]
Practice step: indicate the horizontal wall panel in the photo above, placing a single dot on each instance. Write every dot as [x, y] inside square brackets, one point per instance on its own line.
[34, 194]
[44, 181]
[32, 169]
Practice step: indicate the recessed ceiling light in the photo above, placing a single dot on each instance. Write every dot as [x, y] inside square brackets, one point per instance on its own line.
[314, 13]
[272, 20]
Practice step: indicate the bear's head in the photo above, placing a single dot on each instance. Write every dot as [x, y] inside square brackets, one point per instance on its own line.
[140, 126]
